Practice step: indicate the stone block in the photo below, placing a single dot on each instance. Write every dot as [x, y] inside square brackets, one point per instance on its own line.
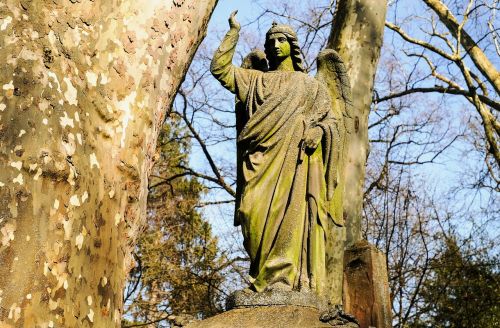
[366, 286]
[265, 317]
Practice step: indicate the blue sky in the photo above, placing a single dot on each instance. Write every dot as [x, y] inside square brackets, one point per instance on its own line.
[226, 7]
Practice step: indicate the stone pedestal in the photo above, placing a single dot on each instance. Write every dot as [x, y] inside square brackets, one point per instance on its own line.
[286, 316]
[243, 299]
[366, 286]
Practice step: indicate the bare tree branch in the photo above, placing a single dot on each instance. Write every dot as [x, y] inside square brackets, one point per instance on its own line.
[477, 55]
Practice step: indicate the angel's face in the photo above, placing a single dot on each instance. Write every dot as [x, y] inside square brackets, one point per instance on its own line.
[278, 45]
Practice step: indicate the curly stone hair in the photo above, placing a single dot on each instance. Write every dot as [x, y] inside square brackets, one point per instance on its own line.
[291, 37]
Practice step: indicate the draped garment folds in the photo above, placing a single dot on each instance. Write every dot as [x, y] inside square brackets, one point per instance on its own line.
[285, 197]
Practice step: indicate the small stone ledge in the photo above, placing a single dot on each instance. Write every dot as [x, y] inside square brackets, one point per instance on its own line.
[247, 299]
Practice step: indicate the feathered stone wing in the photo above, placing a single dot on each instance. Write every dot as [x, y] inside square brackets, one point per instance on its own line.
[332, 72]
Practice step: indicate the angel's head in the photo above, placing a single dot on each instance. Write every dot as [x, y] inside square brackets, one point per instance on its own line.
[281, 42]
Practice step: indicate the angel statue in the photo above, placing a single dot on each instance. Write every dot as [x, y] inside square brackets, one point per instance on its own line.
[291, 131]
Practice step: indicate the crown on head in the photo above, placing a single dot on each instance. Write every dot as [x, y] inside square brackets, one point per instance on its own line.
[281, 28]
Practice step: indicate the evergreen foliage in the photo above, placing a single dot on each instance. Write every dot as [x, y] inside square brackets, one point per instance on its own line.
[177, 269]
[463, 290]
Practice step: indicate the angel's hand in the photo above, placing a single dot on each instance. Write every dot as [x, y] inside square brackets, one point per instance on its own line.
[313, 138]
[233, 23]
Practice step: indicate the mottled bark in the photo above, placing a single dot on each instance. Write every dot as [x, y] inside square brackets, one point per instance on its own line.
[357, 35]
[85, 87]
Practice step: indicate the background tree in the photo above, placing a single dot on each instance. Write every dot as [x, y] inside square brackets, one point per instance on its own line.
[178, 265]
[463, 289]
[455, 54]
[85, 86]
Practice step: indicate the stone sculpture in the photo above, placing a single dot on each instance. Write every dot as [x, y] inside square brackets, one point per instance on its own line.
[291, 131]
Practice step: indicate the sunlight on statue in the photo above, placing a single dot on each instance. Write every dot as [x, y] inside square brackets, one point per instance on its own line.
[291, 131]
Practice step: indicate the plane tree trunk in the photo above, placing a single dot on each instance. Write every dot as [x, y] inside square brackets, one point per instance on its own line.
[357, 35]
[85, 87]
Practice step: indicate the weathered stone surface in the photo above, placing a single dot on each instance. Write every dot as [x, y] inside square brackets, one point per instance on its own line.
[291, 131]
[243, 299]
[268, 317]
[366, 286]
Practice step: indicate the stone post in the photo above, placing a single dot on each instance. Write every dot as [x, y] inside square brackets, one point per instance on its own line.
[366, 286]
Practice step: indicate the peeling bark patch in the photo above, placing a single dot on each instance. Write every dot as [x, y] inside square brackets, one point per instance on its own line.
[8, 86]
[18, 165]
[5, 22]
[54, 76]
[66, 121]
[38, 174]
[72, 38]
[79, 241]
[104, 79]
[70, 93]
[19, 179]
[52, 38]
[7, 234]
[118, 218]
[93, 161]
[91, 78]
[85, 196]
[74, 201]
[14, 312]
[125, 106]
[91, 315]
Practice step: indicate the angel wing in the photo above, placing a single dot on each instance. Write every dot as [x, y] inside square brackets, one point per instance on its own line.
[256, 59]
[332, 72]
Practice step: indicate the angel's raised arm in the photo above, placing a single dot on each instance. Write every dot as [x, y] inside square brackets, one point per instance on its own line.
[222, 67]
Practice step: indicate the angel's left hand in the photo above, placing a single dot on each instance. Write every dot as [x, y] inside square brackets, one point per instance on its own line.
[313, 138]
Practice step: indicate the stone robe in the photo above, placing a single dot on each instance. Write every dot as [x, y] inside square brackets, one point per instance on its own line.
[285, 197]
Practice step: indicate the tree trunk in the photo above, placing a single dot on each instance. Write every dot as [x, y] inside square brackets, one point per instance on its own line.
[357, 35]
[85, 88]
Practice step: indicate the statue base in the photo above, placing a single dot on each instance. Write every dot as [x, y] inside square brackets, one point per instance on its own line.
[274, 317]
[249, 299]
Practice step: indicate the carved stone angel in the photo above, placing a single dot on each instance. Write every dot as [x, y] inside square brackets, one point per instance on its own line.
[291, 135]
